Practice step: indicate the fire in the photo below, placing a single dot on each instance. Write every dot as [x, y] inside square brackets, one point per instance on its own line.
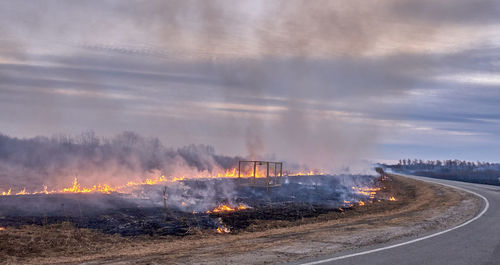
[392, 199]
[223, 230]
[371, 192]
[228, 208]
[2, 228]
[361, 203]
[23, 192]
[76, 187]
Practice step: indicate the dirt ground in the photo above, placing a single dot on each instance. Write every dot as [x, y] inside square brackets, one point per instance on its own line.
[419, 208]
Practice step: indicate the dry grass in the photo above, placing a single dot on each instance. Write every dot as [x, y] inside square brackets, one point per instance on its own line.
[18, 244]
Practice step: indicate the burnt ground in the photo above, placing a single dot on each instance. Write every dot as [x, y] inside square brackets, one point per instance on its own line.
[298, 198]
[420, 207]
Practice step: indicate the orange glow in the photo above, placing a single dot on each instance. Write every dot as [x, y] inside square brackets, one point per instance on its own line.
[223, 230]
[2, 228]
[371, 192]
[227, 208]
[361, 203]
[76, 187]
[23, 192]
[392, 198]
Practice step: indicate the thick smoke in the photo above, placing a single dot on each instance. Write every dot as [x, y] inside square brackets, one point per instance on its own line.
[55, 162]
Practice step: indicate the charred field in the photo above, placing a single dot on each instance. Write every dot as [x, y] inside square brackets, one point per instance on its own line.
[186, 208]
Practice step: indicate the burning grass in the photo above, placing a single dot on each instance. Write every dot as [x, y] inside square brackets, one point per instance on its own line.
[235, 231]
[66, 241]
[183, 208]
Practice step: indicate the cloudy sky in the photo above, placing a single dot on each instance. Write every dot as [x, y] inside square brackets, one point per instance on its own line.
[322, 82]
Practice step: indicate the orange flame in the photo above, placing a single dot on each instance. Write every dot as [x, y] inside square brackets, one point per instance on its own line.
[392, 199]
[23, 192]
[105, 188]
[76, 188]
[223, 230]
[371, 192]
[7, 193]
[228, 208]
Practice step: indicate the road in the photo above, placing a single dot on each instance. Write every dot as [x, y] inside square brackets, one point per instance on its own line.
[474, 242]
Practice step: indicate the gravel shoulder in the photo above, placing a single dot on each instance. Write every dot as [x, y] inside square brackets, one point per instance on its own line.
[419, 208]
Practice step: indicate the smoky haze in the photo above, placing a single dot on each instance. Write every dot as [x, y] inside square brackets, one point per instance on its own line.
[54, 162]
[308, 82]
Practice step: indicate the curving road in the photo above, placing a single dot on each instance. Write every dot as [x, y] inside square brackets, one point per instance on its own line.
[475, 242]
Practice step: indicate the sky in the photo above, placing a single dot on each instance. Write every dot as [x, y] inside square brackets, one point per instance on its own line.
[322, 82]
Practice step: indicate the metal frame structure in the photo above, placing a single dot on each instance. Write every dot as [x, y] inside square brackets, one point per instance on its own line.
[271, 180]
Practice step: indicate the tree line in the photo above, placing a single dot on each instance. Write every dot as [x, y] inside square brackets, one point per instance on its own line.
[476, 172]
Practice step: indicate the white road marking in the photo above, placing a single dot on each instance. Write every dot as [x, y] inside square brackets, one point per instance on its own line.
[487, 205]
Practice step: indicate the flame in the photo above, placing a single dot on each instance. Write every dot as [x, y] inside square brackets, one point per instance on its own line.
[6, 193]
[228, 208]
[76, 187]
[371, 192]
[361, 203]
[23, 192]
[2, 228]
[223, 230]
[392, 199]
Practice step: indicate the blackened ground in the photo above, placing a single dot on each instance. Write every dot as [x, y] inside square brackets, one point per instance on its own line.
[298, 198]
[419, 208]
[154, 221]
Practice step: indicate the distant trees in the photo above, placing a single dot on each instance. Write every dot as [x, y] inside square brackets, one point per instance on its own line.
[478, 172]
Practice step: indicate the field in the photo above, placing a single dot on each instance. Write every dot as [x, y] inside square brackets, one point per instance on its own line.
[418, 208]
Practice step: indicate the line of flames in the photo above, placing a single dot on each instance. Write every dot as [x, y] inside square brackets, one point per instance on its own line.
[228, 208]
[105, 188]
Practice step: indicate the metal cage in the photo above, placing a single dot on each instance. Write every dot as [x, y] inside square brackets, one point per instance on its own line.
[260, 173]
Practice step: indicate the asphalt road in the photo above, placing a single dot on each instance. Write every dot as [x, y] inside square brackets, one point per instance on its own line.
[476, 242]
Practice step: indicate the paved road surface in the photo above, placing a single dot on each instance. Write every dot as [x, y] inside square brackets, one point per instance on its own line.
[477, 242]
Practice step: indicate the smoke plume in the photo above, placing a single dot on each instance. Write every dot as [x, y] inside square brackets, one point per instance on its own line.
[55, 162]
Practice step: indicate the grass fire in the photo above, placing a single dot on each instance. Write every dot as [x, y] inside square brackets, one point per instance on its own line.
[225, 203]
